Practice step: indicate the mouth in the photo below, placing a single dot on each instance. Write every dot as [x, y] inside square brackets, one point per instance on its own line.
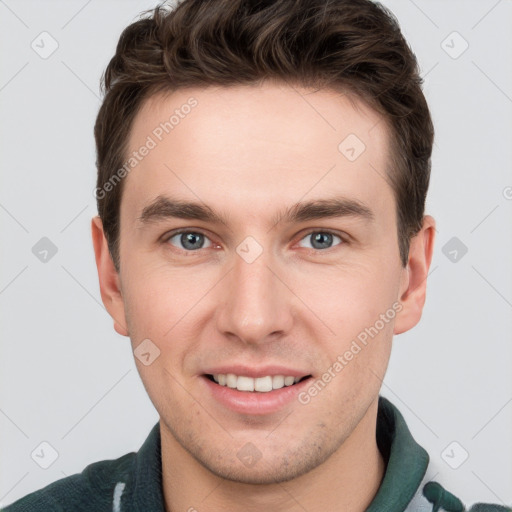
[264, 384]
[255, 390]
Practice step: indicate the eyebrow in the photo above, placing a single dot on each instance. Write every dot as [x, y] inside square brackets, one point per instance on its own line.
[164, 208]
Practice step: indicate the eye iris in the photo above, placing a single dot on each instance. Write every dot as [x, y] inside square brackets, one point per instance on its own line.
[324, 239]
[194, 241]
[189, 240]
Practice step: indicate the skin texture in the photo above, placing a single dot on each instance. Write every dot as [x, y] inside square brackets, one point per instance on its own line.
[248, 152]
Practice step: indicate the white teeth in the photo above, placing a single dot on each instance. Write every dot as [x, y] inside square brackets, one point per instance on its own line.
[245, 384]
[231, 379]
[260, 384]
[277, 381]
[263, 384]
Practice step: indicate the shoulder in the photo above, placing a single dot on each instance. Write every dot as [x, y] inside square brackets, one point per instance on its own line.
[92, 489]
[489, 507]
[437, 498]
[410, 475]
[441, 499]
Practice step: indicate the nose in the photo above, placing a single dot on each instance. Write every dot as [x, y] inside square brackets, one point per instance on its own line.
[256, 303]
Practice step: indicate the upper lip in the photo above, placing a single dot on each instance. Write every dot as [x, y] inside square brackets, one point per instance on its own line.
[254, 372]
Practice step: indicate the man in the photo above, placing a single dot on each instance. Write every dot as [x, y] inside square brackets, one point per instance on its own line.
[262, 174]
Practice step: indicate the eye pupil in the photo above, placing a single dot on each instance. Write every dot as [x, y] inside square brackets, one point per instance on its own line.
[322, 238]
[189, 240]
[193, 240]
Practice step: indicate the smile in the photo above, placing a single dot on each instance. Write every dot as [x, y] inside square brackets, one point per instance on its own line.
[260, 394]
[259, 384]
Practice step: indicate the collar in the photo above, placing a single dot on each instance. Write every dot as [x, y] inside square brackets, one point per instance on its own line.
[406, 460]
[147, 489]
[406, 466]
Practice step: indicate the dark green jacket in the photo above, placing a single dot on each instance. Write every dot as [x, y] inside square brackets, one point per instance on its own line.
[132, 483]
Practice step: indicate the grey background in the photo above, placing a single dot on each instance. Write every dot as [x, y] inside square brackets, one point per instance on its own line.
[68, 379]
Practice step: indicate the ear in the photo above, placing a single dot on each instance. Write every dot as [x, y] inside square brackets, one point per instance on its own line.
[110, 286]
[413, 286]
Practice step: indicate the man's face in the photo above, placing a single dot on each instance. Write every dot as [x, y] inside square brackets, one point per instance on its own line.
[261, 294]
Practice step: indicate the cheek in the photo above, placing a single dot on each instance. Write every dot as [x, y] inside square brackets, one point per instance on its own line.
[159, 306]
[167, 306]
[349, 298]
[356, 303]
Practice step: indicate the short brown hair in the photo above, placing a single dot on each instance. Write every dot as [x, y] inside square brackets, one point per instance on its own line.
[350, 45]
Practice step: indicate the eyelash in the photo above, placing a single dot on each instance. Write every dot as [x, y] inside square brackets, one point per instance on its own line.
[172, 234]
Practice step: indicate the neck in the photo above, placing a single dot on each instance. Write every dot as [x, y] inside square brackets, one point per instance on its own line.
[348, 480]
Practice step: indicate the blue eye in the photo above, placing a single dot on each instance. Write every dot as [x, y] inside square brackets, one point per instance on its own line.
[321, 239]
[190, 240]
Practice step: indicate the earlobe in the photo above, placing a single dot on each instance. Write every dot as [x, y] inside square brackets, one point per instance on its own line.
[110, 288]
[414, 286]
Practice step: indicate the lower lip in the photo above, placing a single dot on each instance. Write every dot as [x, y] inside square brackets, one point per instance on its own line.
[254, 402]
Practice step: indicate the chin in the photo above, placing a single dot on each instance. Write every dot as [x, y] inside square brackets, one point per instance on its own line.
[274, 465]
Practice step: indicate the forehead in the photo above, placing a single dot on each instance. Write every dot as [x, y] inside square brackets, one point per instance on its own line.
[254, 148]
